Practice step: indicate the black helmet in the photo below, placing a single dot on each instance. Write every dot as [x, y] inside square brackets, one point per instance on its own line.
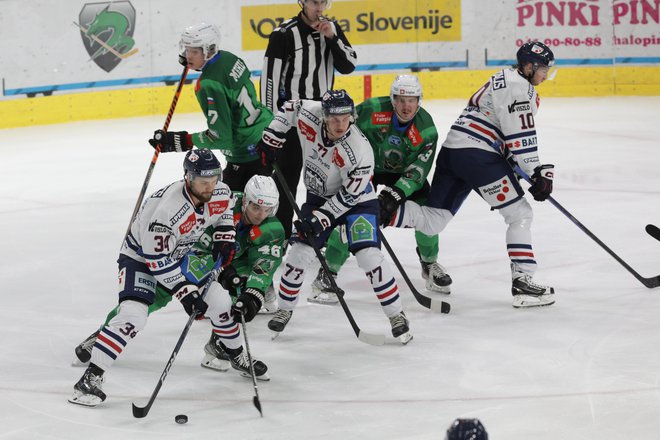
[466, 429]
[337, 102]
[535, 53]
[202, 162]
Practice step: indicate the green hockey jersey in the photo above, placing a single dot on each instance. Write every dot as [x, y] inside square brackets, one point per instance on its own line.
[235, 116]
[408, 152]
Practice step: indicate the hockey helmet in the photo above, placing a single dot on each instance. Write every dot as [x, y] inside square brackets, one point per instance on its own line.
[466, 429]
[202, 163]
[406, 85]
[536, 53]
[337, 102]
[328, 3]
[262, 191]
[203, 35]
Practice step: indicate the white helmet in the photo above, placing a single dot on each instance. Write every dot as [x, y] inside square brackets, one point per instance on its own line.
[328, 3]
[406, 85]
[204, 35]
[262, 191]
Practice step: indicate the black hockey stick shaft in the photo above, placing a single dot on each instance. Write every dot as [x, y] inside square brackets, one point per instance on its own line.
[653, 231]
[154, 158]
[648, 282]
[255, 399]
[425, 301]
[142, 411]
[362, 336]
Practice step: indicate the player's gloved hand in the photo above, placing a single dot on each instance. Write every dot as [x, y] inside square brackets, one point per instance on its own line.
[390, 199]
[224, 245]
[247, 304]
[229, 279]
[191, 299]
[542, 182]
[314, 224]
[269, 147]
[182, 60]
[171, 141]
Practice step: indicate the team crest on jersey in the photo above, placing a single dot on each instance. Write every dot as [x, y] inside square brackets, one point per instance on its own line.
[307, 131]
[337, 159]
[218, 207]
[188, 224]
[393, 160]
[381, 118]
[394, 140]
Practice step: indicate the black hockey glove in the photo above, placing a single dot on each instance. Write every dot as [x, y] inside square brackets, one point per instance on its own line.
[191, 300]
[182, 60]
[542, 182]
[269, 148]
[390, 199]
[171, 141]
[247, 304]
[229, 279]
[315, 224]
[224, 245]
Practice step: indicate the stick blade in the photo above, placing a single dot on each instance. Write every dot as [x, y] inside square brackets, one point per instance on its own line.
[653, 231]
[371, 339]
[257, 405]
[139, 412]
[440, 306]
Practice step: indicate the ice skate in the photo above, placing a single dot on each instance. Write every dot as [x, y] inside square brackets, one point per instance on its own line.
[436, 276]
[322, 291]
[239, 361]
[527, 293]
[87, 391]
[84, 350]
[270, 302]
[400, 328]
[279, 321]
[215, 357]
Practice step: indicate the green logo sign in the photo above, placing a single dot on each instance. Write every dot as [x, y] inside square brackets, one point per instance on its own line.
[361, 230]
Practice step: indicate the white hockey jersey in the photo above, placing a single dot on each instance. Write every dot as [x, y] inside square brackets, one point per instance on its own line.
[503, 109]
[339, 171]
[168, 225]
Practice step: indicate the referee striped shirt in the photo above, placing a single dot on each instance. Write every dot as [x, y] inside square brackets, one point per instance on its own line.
[300, 62]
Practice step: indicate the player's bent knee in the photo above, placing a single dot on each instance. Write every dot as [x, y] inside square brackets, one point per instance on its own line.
[518, 213]
[299, 255]
[132, 314]
[369, 258]
[218, 300]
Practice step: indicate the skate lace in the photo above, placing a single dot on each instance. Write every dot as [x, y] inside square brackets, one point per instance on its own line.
[436, 270]
[528, 280]
[397, 320]
[242, 360]
[282, 316]
[322, 281]
[94, 381]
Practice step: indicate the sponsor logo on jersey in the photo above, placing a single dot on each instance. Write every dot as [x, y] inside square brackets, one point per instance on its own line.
[188, 224]
[145, 280]
[255, 232]
[499, 82]
[309, 115]
[414, 136]
[315, 179]
[394, 140]
[523, 106]
[498, 192]
[218, 207]
[381, 118]
[361, 230]
[159, 228]
[337, 159]
[307, 131]
[179, 215]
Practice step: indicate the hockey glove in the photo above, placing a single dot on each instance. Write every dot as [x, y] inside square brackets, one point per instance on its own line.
[390, 199]
[171, 141]
[224, 245]
[229, 279]
[247, 304]
[182, 60]
[542, 182]
[315, 224]
[191, 300]
[269, 147]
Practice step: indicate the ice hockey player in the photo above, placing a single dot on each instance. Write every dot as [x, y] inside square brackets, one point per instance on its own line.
[259, 238]
[338, 167]
[234, 115]
[501, 111]
[168, 224]
[404, 140]
[466, 429]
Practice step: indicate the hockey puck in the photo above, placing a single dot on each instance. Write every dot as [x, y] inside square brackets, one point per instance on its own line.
[181, 419]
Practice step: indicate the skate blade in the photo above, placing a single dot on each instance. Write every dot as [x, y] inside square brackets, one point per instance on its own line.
[264, 377]
[323, 301]
[274, 335]
[528, 301]
[213, 363]
[405, 338]
[268, 309]
[77, 363]
[88, 400]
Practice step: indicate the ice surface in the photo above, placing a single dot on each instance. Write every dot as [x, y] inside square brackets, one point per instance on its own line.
[584, 368]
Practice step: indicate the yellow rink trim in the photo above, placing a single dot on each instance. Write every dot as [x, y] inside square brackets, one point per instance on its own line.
[570, 81]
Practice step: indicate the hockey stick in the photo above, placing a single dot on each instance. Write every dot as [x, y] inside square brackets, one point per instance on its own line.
[425, 301]
[368, 338]
[648, 282]
[150, 170]
[653, 231]
[142, 411]
[255, 399]
[106, 46]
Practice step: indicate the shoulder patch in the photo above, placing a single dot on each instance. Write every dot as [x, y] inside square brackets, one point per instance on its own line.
[255, 232]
